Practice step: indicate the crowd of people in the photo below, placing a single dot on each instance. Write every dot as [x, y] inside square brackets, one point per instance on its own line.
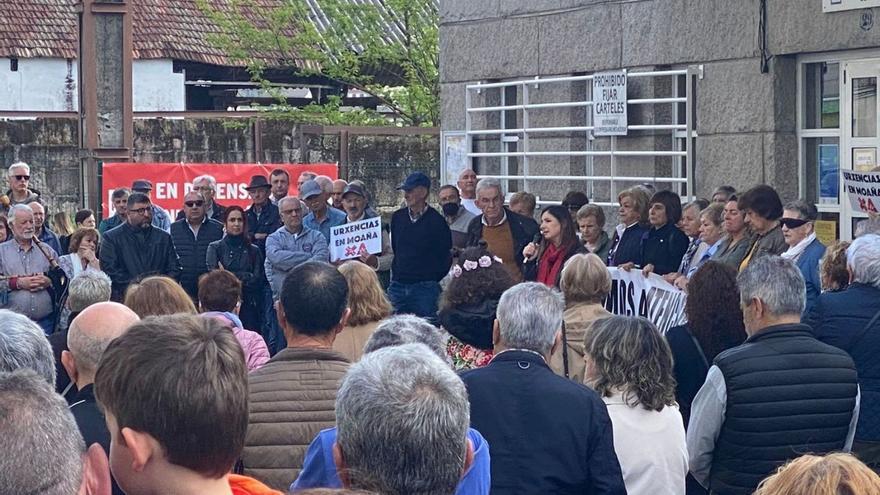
[223, 351]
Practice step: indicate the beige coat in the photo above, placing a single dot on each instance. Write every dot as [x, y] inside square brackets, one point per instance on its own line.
[578, 320]
[350, 341]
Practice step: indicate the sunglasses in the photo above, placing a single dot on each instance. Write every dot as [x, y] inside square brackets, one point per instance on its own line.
[792, 223]
[191, 204]
[22, 177]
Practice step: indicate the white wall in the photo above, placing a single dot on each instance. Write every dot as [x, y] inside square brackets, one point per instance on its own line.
[49, 85]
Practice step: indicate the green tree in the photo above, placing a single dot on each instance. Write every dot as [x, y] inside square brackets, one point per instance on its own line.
[388, 49]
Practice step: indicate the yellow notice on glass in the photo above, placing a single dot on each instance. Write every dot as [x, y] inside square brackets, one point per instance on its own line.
[826, 231]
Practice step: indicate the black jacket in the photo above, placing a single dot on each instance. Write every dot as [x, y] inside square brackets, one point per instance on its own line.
[787, 394]
[548, 434]
[422, 249]
[523, 230]
[269, 221]
[128, 255]
[689, 365]
[471, 323]
[216, 214]
[530, 269]
[90, 421]
[246, 262]
[664, 248]
[628, 247]
[192, 251]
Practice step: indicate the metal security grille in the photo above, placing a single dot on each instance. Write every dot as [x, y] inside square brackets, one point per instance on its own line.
[517, 142]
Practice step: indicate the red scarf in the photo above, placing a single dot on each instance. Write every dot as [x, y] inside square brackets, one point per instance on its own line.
[551, 264]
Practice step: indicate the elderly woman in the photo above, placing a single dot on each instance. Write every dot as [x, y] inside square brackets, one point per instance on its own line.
[763, 209]
[664, 244]
[368, 305]
[626, 245]
[711, 235]
[82, 257]
[628, 363]
[832, 267]
[591, 223]
[737, 238]
[804, 250]
[690, 225]
[585, 283]
[467, 306]
[545, 260]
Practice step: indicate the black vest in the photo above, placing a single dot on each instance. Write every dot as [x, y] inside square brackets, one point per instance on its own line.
[787, 395]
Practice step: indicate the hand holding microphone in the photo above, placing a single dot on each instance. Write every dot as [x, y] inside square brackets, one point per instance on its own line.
[531, 248]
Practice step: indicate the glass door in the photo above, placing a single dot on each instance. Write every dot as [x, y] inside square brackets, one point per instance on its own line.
[861, 141]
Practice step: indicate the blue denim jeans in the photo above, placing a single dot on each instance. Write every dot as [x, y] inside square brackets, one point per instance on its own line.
[418, 298]
[272, 332]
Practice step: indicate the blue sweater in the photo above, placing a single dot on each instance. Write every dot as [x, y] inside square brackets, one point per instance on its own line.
[421, 248]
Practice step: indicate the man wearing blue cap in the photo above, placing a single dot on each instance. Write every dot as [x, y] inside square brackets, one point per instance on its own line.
[322, 217]
[421, 242]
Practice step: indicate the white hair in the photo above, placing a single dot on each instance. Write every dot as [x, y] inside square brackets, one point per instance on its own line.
[487, 183]
[24, 346]
[406, 329]
[87, 288]
[776, 282]
[402, 416]
[863, 259]
[529, 316]
[209, 178]
[25, 166]
[326, 183]
[15, 209]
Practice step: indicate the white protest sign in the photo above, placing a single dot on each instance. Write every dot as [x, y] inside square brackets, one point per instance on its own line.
[609, 104]
[350, 240]
[633, 294]
[863, 189]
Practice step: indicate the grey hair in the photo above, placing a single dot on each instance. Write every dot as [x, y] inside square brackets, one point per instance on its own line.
[209, 178]
[488, 182]
[42, 447]
[23, 345]
[16, 165]
[777, 282]
[867, 226]
[286, 199]
[402, 416]
[530, 315]
[87, 288]
[805, 211]
[863, 259]
[406, 329]
[10, 215]
[325, 182]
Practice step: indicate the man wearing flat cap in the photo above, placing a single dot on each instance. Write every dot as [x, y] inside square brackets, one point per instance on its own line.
[354, 201]
[422, 242]
[263, 218]
[322, 217]
[161, 218]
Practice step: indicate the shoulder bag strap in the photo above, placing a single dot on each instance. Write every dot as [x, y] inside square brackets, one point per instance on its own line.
[859, 336]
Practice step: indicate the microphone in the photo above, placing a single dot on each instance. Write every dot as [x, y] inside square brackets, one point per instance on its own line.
[535, 240]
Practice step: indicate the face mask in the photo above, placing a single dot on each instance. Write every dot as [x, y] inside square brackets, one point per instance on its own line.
[450, 209]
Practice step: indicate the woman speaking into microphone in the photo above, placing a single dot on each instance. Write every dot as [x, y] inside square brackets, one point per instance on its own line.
[544, 257]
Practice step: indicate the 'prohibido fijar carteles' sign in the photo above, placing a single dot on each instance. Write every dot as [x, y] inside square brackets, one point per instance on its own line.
[609, 104]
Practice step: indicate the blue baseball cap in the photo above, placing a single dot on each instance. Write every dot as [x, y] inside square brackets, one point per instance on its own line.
[415, 180]
[310, 188]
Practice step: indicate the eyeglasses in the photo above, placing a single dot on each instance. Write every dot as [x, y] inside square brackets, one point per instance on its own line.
[22, 177]
[191, 204]
[139, 211]
[792, 223]
[291, 212]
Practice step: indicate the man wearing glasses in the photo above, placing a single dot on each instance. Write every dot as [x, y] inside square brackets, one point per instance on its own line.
[160, 218]
[136, 248]
[191, 236]
[207, 185]
[19, 193]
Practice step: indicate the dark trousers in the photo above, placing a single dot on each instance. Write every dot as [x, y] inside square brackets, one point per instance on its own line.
[869, 453]
[418, 298]
[272, 332]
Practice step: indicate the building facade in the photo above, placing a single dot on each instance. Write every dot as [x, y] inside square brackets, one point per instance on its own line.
[782, 92]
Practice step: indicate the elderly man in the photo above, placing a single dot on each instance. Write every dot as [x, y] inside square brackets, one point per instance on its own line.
[322, 217]
[457, 218]
[506, 232]
[467, 184]
[120, 199]
[392, 405]
[191, 236]
[307, 175]
[292, 396]
[160, 218]
[421, 242]
[137, 248]
[19, 176]
[339, 186]
[354, 200]
[24, 266]
[41, 230]
[24, 347]
[89, 335]
[42, 450]
[280, 181]
[850, 320]
[207, 186]
[262, 214]
[780, 394]
[532, 417]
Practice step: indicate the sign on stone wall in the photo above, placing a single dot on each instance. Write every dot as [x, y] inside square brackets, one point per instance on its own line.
[609, 104]
[838, 5]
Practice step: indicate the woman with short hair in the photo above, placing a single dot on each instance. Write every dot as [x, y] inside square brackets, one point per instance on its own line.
[629, 364]
[664, 245]
[158, 296]
[804, 249]
[737, 238]
[368, 305]
[591, 224]
[763, 209]
[633, 216]
[832, 474]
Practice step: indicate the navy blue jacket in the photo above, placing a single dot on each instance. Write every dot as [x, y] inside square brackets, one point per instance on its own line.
[192, 251]
[838, 318]
[628, 248]
[664, 248]
[269, 221]
[808, 264]
[547, 434]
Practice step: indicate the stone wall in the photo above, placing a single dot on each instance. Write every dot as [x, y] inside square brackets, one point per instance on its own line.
[50, 146]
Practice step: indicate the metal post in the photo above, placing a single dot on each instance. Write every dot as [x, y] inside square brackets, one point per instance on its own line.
[689, 140]
[469, 148]
[502, 145]
[525, 144]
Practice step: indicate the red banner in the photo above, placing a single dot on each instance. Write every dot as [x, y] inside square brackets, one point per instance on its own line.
[171, 181]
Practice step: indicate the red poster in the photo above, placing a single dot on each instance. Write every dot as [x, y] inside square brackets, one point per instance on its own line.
[171, 181]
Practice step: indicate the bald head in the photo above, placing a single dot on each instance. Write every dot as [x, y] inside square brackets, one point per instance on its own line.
[92, 331]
